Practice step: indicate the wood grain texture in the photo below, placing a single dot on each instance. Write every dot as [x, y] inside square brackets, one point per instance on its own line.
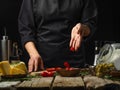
[96, 83]
[68, 83]
[36, 83]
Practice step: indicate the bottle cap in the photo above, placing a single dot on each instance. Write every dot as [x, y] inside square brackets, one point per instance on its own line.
[5, 37]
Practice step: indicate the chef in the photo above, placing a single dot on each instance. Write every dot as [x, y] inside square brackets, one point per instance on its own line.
[54, 31]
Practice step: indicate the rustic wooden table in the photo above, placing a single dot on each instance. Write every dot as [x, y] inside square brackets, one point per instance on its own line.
[62, 83]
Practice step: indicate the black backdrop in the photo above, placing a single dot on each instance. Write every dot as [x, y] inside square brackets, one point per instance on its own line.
[107, 28]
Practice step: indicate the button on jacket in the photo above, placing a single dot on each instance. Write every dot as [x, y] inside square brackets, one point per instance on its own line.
[48, 23]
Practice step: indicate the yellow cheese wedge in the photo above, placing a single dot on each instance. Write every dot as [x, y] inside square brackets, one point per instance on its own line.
[21, 65]
[5, 67]
[1, 72]
[16, 71]
[12, 69]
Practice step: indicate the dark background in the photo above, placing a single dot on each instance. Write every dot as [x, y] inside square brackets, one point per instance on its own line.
[107, 26]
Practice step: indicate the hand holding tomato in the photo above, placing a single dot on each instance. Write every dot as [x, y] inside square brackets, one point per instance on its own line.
[66, 64]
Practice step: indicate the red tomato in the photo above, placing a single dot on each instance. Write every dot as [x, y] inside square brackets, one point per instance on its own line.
[47, 74]
[50, 69]
[44, 74]
[50, 74]
[67, 69]
[58, 68]
[72, 49]
[71, 68]
[66, 64]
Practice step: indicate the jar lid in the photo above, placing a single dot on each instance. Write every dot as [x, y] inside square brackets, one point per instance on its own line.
[104, 54]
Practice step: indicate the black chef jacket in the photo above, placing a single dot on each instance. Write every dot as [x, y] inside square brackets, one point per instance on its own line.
[48, 23]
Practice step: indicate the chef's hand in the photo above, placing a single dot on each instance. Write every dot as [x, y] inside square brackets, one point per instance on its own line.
[35, 63]
[78, 32]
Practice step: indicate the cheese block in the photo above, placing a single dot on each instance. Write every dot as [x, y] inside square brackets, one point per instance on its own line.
[5, 67]
[1, 72]
[12, 69]
[16, 71]
[20, 65]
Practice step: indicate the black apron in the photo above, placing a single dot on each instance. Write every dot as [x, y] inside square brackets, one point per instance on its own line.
[49, 23]
[55, 20]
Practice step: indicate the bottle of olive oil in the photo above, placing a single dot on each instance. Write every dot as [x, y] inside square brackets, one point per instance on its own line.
[5, 47]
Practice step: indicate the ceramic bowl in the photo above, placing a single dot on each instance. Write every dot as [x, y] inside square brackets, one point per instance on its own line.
[71, 72]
